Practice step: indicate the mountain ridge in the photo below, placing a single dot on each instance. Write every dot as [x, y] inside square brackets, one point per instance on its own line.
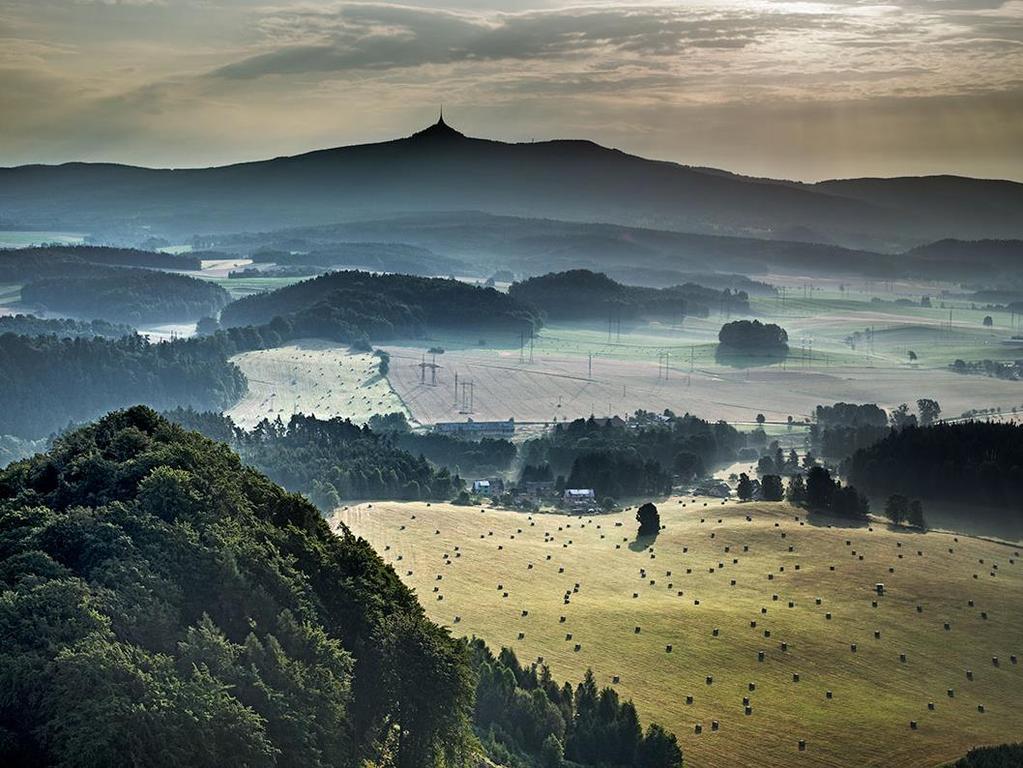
[441, 169]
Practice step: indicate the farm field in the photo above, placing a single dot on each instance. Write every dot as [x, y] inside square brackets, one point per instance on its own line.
[28, 238]
[313, 377]
[626, 377]
[505, 576]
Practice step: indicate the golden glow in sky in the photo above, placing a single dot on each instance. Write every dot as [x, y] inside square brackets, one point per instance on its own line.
[803, 90]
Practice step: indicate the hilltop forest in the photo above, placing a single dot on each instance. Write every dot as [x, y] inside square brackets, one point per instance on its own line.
[161, 604]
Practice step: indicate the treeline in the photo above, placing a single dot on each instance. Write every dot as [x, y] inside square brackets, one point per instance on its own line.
[620, 459]
[524, 719]
[997, 369]
[374, 257]
[348, 305]
[328, 460]
[47, 382]
[841, 429]
[487, 456]
[64, 328]
[975, 462]
[128, 295]
[580, 294]
[165, 605]
[23, 264]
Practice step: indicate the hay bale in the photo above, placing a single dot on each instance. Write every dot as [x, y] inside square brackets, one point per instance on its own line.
[698, 729]
[689, 699]
[930, 705]
[802, 745]
[710, 679]
[980, 708]
[827, 694]
[749, 710]
[760, 656]
[852, 647]
[667, 649]
[795, 677]
[578, 647]
[912, 724]
[951, 693]
[902, 658]
[714, 725]
[521, 635]
[752, 686]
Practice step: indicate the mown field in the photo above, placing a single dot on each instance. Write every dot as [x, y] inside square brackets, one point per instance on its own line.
[313, 377]
[505, 577]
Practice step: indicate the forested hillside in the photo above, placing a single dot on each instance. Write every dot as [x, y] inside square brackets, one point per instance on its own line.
[64, 328]
[329, 460]
[47, 382]
[16, 265]
[163, 605]
[380, 307]
[976, 462]
[580, 294]
[127, 296]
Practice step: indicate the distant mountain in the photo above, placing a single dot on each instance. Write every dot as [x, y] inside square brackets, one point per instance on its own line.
[633, 255]
[440, 169]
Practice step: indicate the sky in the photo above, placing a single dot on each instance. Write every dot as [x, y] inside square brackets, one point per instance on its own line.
[779, 88]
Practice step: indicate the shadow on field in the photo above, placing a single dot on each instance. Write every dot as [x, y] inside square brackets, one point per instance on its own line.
[822, 520]
[642, 543]
[734, 358]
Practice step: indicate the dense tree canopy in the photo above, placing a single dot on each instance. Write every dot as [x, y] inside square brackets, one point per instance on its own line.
[161, 604]
[127, 295]
[329, 460]
[64, 328]
[635, 458]
[47, 382]
[346, 305]
[753, 335]
[580, 294]
[974, 462]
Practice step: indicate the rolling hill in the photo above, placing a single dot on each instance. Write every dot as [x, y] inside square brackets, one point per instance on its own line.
[440, 169]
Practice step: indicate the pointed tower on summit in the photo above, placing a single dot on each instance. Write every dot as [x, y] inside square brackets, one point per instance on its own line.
[439, 130]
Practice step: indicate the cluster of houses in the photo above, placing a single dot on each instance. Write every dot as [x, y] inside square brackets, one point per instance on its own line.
[531, 494]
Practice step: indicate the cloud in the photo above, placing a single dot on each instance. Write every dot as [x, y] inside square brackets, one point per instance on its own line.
[372, 36]
[788, 87]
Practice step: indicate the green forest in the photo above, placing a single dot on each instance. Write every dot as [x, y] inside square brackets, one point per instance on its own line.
[162, 604]
[47, 382]
[64, 328]
[580, 294]
[969, 462]
[346, 305]
[127, 296]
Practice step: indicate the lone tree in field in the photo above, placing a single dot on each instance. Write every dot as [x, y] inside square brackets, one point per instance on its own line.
[649, 519]
[988, 321]
[745, 487]
[761, 419]
[771, 488]
[897, 508]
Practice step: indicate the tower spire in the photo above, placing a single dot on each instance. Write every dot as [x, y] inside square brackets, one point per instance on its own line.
[440, 120]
